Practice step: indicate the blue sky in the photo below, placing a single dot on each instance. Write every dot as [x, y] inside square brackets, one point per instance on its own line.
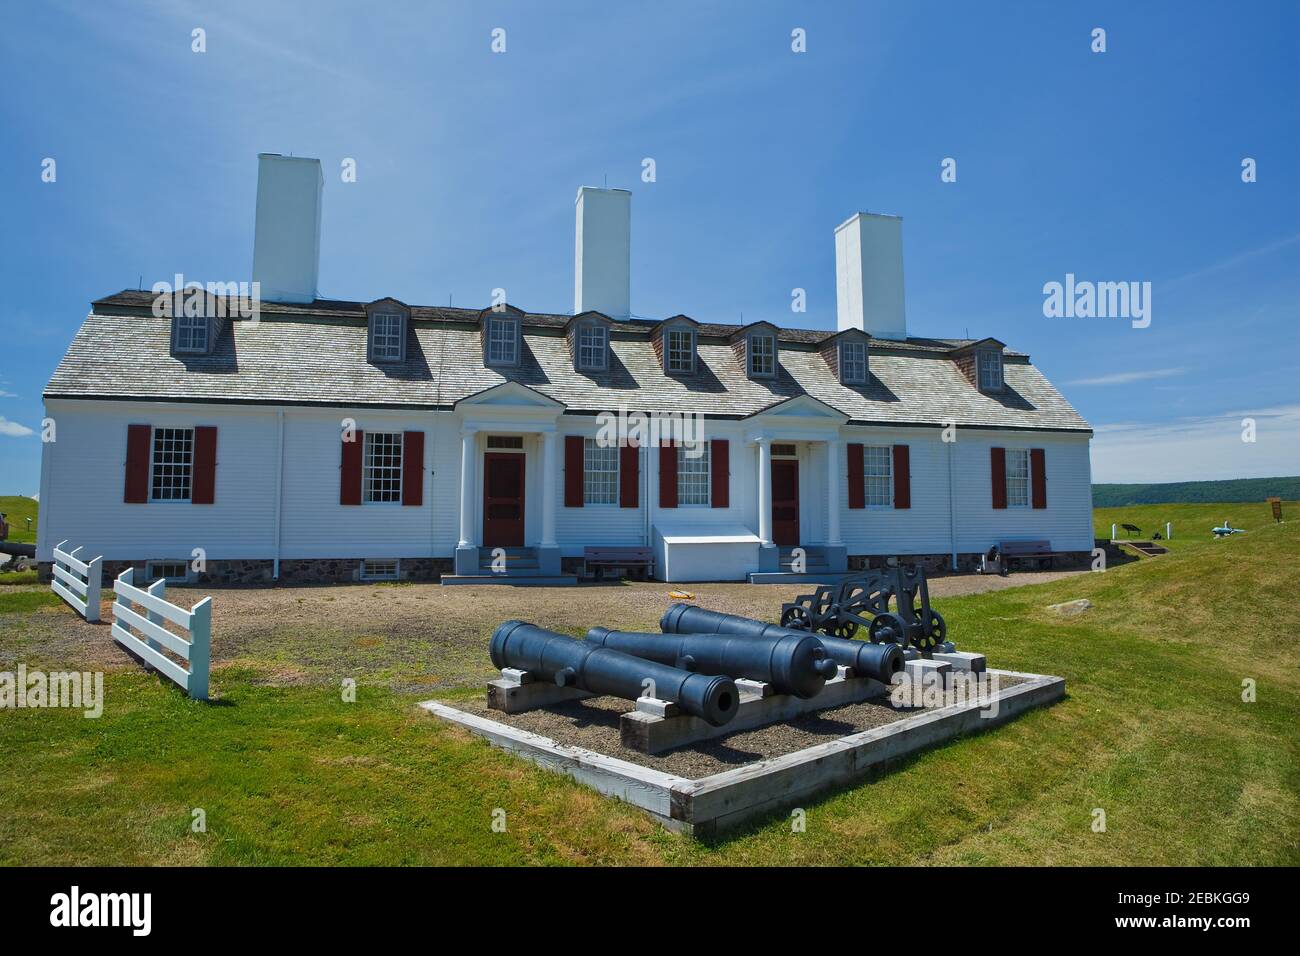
[1115, 166]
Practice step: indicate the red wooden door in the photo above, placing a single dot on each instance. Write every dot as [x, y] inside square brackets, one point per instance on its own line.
[503, 500]
[785, 501]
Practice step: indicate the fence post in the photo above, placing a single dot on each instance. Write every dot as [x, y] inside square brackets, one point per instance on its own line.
[127, 577]
[159, 590]
[94, 581]
[200, 648]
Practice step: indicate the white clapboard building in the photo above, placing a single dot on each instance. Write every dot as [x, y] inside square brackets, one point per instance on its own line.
[329, 440]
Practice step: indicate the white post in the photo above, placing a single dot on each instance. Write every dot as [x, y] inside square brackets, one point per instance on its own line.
[1169, 530]
[200, 648]
[833, 492]
[159, 590]
[467, 451]
[548, 488]
[127, 577]
[94, 580]
[765, 492]
[1112, 532]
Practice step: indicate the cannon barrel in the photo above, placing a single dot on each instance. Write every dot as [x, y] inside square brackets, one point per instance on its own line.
[881, 661]
[573, 663]
[793, 663]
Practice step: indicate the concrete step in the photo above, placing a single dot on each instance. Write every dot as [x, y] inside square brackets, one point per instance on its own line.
[518, 580]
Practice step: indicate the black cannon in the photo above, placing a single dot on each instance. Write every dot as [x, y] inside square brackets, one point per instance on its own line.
[573, 663]
[863, 600]
[881, 661]
[792, 663]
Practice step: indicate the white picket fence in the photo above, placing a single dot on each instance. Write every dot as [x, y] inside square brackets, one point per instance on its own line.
[76, 581]
[153, 637]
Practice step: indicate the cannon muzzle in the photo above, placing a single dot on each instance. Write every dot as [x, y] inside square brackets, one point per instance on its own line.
[880, 661]
[792, 663]
[599, 670]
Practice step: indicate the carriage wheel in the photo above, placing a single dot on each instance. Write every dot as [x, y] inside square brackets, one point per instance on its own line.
[796, 618]
[845, 629]
[933, 631]
[887, 628]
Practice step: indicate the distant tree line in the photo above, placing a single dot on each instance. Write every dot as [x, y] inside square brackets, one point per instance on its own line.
[1196, 492]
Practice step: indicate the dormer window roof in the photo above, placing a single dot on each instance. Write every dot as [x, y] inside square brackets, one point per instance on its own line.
[675, 340]
[755, 346]
[981, 363]
[502, 332]
[386, 323]
[588, 337]
[847, 354]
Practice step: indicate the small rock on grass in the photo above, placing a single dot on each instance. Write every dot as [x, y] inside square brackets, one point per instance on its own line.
[1070, 608]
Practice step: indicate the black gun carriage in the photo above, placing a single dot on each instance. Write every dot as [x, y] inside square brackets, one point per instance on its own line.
[862, 601]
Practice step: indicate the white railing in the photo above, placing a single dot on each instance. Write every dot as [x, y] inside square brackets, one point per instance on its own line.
[154, 637]
[76, 581]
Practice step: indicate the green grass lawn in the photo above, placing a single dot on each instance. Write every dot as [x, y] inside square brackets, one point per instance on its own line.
[1192, 522]
[18, 509]
[1153, 731]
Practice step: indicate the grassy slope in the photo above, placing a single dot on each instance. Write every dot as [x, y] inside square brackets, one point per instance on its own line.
[1154, 731]
[1192, 522]
[18, 509]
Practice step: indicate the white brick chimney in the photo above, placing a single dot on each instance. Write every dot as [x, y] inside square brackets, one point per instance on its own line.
[602, 271]
[869, 275]
[286, 237]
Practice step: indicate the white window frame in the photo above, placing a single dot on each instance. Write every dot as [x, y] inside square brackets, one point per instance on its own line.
[691, 471]
[381, 479]
[502, 341]
[878, 476]
[988, 367]
[367, 572]
[1022, 496]
[192, 327]
[600, 473]
[387, 345]
[151, 574]
[592, 346]
[179, 474]
[846, 362]
[673, 352]
[762, 356]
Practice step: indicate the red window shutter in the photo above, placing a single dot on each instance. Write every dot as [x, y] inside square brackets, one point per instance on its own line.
[413, 468]
[720, 473]
[902, 477]
[998, 460]
[629, 476]
[667, 476]
[1038, 477]
[137, 464]
[204, 489]
[857, 481]
[350, 474]
[573, 464]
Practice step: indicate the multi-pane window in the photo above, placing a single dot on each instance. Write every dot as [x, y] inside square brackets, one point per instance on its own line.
[853, 363]
[1017, 477]
[191, 333]
[503, 342]
[386, 336]
[381, 474]
[599, 473]
[382, 569]
[693, 474]
[680, 351]
[591, 346]
[877, 462]
[990, 368]
[172, 464]
[762, 355]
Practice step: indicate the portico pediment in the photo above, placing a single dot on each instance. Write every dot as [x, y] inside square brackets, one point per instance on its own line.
[510, 395]
[801, 407]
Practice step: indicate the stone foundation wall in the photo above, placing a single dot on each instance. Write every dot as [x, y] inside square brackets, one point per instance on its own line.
[259, 573]
[937, 565]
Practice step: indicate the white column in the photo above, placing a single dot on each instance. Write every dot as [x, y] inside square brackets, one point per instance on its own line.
[833, 492]
[765, 492]
[468, 451]
[548, 488]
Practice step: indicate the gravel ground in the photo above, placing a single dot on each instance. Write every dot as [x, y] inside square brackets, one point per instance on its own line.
[411, 637]
[593, 725]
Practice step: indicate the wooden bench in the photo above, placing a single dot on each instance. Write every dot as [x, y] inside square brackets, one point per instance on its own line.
[598, 560]
[1028, 551]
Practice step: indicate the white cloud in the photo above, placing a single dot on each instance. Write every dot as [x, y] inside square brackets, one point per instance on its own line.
[13, 429]
[1123, 378]
[1199, 449]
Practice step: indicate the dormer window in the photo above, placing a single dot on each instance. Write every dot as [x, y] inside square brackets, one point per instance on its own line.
[387, 336]
[593, 346]
[191, 334]
[853, 362]
[990, 370]
[762, 356]
[679, 350]
[502, 340]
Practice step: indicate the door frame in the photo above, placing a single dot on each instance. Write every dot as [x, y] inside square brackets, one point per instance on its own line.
[488, 458]
[793, 463]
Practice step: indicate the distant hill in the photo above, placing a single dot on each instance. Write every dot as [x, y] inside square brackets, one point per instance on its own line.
[1196, 492]
[19, 509]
